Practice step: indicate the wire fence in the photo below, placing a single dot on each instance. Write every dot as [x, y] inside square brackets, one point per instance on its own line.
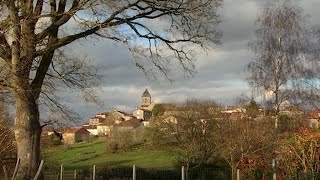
[137, 173]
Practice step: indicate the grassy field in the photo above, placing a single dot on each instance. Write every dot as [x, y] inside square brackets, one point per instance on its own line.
[86, 155]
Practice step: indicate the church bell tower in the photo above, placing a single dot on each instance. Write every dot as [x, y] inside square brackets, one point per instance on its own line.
[146, 99]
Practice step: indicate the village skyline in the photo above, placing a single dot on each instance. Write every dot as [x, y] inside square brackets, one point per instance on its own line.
[170, 89]
[220, 76]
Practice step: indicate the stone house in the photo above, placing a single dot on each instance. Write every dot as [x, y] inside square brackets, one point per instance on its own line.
[143, 114]
[292, 111]
[146, 123]
[103, 115]
[104, 129]
[75, 135]
[116, 115]
[314, 119]
[128, 125]
[96, 120]
[233, 109]
[91, 128]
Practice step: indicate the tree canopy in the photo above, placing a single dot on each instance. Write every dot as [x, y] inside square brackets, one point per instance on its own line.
[285, 53]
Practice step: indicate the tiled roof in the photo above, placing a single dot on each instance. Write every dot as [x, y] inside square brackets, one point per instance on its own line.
[74, 130]
[89, 126]
[106, 124]
[121, 112]
[314, 114]
[133, 122]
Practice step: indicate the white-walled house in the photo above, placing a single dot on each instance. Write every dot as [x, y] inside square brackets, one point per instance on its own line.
[92, 129]
[142, 114]
[314, 119]
[104, 129]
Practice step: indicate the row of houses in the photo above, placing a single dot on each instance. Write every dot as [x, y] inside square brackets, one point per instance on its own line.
[312, 117]
[103, 124]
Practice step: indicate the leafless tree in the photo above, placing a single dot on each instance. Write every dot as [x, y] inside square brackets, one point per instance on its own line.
[191, 129]
[243, 139]
[284, 53]
[32, 32]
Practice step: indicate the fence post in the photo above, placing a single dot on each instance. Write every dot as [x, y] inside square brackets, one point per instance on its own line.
[75, 174]
[61, 172]
[134, 172]
[238, 174]
[94, 172]
[5, 172]
[183, 176]
[39, 170]
[274, 176]
[16, 169]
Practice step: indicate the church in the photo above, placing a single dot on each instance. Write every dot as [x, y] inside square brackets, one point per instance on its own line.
[146, 99]
[144, 112]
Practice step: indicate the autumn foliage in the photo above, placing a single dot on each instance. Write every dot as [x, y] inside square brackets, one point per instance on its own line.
[299, 153]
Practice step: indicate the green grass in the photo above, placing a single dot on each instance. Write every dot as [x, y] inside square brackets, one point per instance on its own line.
[86, 155]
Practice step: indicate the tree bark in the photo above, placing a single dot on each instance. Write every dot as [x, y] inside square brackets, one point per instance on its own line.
[27, 134]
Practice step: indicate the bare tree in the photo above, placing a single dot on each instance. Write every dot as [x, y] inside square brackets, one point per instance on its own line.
[190, 129]
[283, 53]
[243, 139]
[32, 32]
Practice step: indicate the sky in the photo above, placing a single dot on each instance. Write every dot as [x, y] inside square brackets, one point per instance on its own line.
[220, 76]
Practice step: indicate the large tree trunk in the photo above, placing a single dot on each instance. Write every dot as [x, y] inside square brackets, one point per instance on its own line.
[27, 134]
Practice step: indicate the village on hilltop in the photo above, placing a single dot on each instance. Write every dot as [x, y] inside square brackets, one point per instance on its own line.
[105, 123]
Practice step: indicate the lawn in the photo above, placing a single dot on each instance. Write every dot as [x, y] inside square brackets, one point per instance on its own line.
[86, 155]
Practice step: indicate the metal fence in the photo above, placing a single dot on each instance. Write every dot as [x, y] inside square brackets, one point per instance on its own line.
[137, 173]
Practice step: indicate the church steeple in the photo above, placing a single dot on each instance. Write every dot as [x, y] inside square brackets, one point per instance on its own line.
[146, 99]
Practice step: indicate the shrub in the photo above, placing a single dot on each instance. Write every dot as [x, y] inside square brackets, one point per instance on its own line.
[120, 141]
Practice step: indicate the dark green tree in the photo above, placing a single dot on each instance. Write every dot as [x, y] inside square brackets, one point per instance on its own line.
[158, 110]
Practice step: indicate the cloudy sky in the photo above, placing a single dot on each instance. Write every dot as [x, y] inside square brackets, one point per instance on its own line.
[220, 73]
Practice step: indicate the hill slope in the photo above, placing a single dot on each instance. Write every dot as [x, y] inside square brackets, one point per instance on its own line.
[86, 155]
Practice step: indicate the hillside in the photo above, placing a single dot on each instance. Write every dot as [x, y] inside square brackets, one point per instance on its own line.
[85, 155]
